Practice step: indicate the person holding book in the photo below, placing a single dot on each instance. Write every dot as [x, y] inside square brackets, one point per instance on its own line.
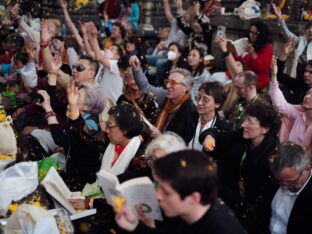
[259, 53]
[187, 193]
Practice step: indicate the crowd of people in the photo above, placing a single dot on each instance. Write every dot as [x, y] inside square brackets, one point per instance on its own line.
[228, 153]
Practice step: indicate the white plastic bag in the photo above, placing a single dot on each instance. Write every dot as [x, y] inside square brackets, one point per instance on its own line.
[249, 9]
[29, 219]
[17, 182]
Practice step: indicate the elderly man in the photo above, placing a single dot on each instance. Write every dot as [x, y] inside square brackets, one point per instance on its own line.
[178, 112]
[291, 205]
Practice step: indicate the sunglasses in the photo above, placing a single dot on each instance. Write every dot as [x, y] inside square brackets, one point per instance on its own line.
[79, 67]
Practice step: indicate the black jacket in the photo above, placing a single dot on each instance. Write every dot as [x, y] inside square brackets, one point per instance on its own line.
[293, 89]
[253, 170]
[299, 221]
[218, 219]
[184, 120]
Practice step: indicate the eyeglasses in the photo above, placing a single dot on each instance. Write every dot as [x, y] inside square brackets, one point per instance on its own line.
[79, 67]
[111, 126]
[308, 71]
[172, 83]
[292, 182]
[204, 99]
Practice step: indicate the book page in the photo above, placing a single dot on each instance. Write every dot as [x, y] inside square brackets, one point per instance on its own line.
[55, 180]
[108, 183]
[141, 191]
[241, 46]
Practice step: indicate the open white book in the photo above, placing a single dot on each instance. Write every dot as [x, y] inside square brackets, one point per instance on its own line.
[239, 47]
[55, 186]
[136, 191]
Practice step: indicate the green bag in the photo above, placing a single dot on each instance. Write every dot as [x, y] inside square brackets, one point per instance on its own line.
[44, 166]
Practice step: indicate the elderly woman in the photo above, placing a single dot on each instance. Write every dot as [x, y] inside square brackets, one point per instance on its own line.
[242, 158]
[211, 96]
[82, 152]
[124, 126]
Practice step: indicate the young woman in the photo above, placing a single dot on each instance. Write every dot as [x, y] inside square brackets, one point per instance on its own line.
[260, 51]
[195, 61]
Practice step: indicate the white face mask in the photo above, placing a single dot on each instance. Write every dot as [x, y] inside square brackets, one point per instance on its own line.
[171, 55]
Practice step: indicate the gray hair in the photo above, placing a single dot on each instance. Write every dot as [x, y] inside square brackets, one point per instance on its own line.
[188, 79]
[169, 142]
[94, 99]
[289, 155]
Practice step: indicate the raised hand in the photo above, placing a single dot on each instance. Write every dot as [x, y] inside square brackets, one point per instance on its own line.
[45, 35]
[93, 30]
[56, 63]
[274, 70]
[277, 11]
[63, 3]
[134, 62]
[221, 41]
[31, 50]
[197, 9]
[72, 94]
[288, 48]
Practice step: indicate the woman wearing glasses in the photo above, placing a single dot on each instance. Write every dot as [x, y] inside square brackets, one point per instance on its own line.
[243, 168]
[211, 96]
[259, 53]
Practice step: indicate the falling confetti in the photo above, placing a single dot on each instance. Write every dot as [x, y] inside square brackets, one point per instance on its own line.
[183, 163]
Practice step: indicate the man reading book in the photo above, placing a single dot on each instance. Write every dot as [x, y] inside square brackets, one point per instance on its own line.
[187, 193]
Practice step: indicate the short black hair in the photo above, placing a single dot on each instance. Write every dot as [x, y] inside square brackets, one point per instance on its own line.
[94, 64]
[266, 114]
[127, 118]
[21, 56]
[214, 89]
[189, 171]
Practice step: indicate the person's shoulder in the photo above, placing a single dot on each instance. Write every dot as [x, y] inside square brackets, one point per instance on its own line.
[221, 219]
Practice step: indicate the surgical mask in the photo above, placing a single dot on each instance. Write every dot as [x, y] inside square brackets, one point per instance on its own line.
[171, 55]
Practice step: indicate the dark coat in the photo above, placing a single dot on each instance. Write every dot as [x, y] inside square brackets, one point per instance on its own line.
[254, 172]
[300, 217]
[184, 120]
[218, 219]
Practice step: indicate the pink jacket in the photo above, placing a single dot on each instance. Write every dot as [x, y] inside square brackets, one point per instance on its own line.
[293, 121]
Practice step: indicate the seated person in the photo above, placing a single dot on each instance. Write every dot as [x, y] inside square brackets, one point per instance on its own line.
[242, 158]
[297, 126]
[293, 89]
[291, 205]
[186, 191]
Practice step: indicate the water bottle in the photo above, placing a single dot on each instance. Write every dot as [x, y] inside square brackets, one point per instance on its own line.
[64, 30]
